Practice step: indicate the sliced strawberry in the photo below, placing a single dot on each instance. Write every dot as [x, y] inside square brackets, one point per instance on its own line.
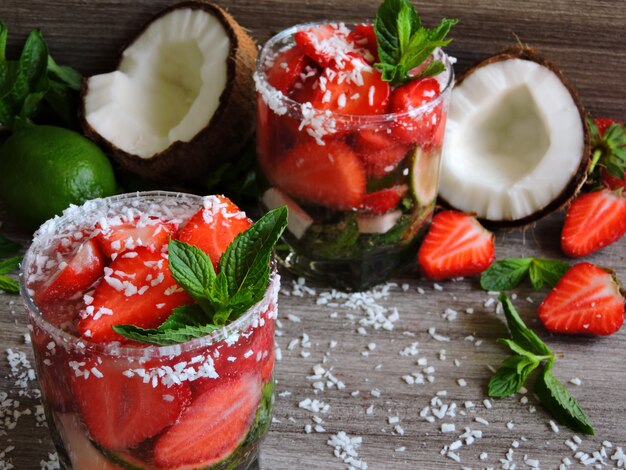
[593, 221]
[364, 35]
[586, 299]
[456, 245]
[151, 233]
[287, 67]
[420, 126]
[330, 45]
[81, 271]
[378, 148]
[354, 89]
[122, 411]
[137, 289]
[316, 43]
[381, 202]
[214, 227]
[330, 174]
[212, 427]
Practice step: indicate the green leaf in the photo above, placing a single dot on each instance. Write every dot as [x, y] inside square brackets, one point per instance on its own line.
[523, 336]
[517, 349]
[509, 273]
[191, 268]
[563, 406]
[184, 324]
[511, 376]
[505, 274]
[547, 271]
[8, 247]
[3, 41]
[433, 68]
[246, 261]
[65, 74]
[32, 69]
[9, 285]
[10, 264]
[404, 44]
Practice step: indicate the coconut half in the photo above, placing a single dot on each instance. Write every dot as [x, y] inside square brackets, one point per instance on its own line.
[516, 144]
[181, 101]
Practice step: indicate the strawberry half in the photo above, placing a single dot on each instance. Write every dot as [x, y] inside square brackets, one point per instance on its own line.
[151, 233]
[214, 227]
[330, 175]
[586, 299]
[137, 289]
[122, 411]
[286, 70]
[381, 202]
[81, 271]
[456, 245]
[421, 127]
[593, 221]
[212, 427]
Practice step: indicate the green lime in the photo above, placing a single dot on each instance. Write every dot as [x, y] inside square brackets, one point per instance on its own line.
[44, 169]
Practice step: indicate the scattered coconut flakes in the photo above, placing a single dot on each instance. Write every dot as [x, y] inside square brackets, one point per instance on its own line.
[575, 381]
[346, 448]
[432, 331]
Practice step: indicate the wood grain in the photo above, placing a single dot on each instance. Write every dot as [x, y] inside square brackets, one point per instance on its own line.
[586, 39]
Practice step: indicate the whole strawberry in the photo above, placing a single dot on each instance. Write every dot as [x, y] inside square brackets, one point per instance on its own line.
[608, 147]
[598, 218]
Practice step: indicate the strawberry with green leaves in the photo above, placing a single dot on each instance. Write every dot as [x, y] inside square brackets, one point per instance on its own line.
[608, 148]
[598, 218]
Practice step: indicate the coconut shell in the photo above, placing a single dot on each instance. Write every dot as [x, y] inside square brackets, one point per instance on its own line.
[578, 179]
[229, 129]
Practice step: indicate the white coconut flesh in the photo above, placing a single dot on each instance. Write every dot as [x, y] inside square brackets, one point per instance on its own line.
[167, 86]
[514, 141]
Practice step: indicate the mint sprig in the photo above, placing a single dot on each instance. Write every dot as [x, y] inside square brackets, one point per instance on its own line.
[8, 248]
[531, 353]
[241, 281]
[509, 273]
[34, 82]
[404, 43]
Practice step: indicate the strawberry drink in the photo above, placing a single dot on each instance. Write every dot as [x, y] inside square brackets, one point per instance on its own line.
[351, 144]
[152, 323]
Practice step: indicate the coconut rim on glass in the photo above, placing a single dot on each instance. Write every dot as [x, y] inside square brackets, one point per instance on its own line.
[52, 230]
[282, 104]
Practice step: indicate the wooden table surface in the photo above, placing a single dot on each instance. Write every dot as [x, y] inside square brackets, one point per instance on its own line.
[375, 403]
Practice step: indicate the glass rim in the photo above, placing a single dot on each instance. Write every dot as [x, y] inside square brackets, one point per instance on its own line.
[115, 348]
[294, 107]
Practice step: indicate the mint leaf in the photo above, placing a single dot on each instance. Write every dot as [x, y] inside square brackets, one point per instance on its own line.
[246, 261]
[66, 75]
[564, 407]
[9, 285]
[10, 264]
[185, 323]
[509, 273]
[404, 44]
[510, 378]
[517, 349]
[3, 41]
[191, 268]
[523, 336]
[547, 271]
[8, 247]
[505, 274]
